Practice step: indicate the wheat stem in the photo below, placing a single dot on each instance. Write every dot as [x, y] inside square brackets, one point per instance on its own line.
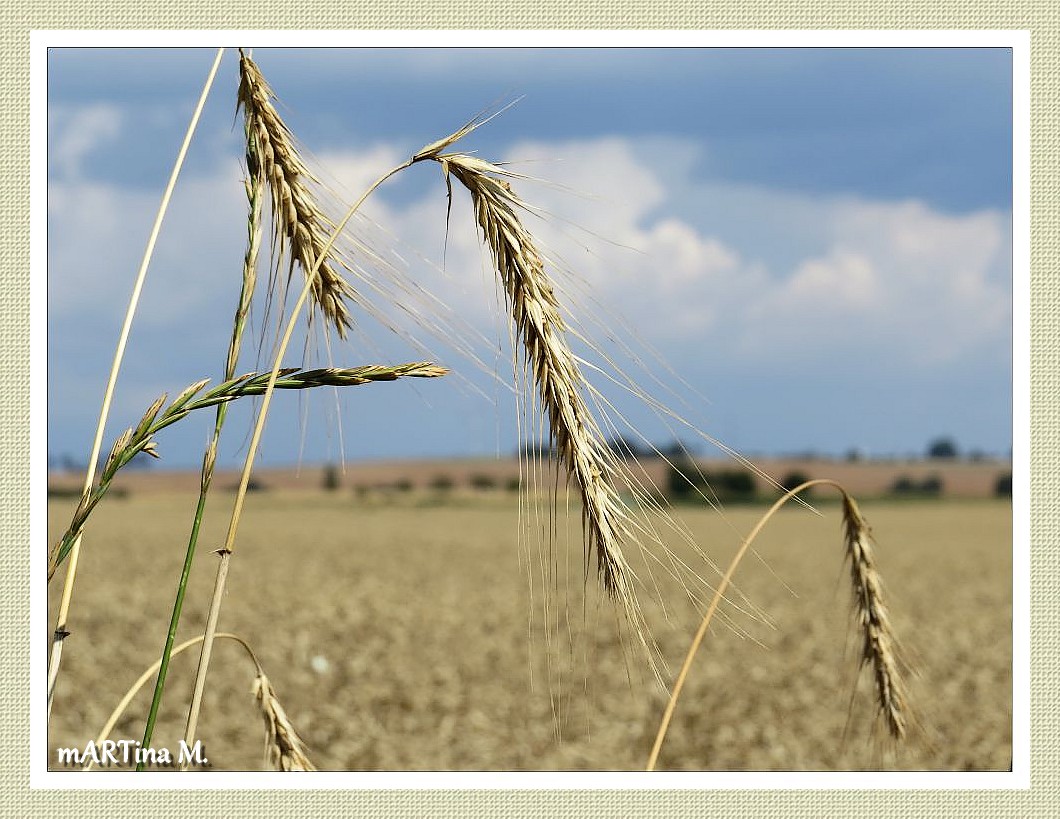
[254, 186]
[226, 551]
[60, 634]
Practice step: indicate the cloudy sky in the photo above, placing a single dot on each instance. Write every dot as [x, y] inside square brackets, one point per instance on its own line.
[792, 249]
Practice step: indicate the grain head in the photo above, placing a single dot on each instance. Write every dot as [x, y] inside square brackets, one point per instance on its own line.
[879, 646]
[301, 229]
[283, 747]
[539, 327]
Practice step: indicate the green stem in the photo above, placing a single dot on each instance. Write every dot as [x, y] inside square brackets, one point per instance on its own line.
[254, 186]
[274, 379]
[182, 586]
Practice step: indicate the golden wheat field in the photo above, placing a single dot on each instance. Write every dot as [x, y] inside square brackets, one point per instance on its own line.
[399, 636]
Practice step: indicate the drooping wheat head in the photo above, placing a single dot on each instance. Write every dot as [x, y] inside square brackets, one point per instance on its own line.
[283, 747]
[539, 327]
[300, 227]
[879, 647]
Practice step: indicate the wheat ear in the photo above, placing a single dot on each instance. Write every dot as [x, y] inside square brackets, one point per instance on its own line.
[283, 747]
[879, 645]
[539, 326]
[301, 229]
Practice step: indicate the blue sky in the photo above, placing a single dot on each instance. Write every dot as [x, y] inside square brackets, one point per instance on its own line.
[816, 241]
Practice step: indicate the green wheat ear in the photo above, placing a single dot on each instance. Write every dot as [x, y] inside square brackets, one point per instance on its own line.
[141, 438]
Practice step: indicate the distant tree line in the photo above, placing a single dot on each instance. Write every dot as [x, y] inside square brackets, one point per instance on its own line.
[942, 448]
[622, 447]
[67, 463]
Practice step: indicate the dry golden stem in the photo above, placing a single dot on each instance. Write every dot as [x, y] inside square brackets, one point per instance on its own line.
[60, 634]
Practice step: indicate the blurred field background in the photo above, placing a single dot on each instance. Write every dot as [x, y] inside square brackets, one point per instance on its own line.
[396, 627]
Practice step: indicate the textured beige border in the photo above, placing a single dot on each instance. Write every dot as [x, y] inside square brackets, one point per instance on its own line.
[1041, 18]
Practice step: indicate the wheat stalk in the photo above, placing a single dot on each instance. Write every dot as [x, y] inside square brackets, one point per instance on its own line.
[301, 229]
[880, 647]
[60, 633]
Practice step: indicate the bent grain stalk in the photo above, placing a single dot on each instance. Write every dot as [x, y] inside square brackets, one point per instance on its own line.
[879, 643]
[283, 747]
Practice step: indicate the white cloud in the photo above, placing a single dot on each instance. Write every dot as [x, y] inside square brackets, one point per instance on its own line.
[98, 230]
[93, 229]
[98, 233]
[353, 172]
[927, 287]
[844, 280]
[74, 132]
[753, 272]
